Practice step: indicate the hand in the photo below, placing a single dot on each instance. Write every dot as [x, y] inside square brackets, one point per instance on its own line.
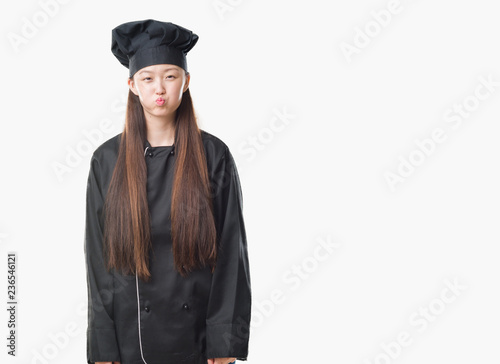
[220, 360]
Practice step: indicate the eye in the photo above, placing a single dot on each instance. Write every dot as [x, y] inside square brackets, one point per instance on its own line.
[146, 78]
[171, 76]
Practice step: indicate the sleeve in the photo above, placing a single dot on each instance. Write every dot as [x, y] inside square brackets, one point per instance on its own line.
[229, 306]
[101, 338]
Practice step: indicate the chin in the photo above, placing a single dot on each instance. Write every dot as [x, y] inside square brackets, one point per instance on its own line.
[161, 113]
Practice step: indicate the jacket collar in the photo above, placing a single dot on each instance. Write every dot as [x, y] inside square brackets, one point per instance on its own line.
[148, 145]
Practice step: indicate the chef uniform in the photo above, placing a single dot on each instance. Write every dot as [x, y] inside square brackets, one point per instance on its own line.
[170, 319]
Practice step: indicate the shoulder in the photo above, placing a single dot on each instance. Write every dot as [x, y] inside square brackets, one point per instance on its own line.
[107, 149]
[215, 148]
[220, 161]
[107, 152]
[105, 156]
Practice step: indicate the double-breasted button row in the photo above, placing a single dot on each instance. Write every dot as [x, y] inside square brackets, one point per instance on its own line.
[151, 154]
[185, 306]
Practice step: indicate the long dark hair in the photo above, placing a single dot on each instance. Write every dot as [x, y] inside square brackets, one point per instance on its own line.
[127, 236]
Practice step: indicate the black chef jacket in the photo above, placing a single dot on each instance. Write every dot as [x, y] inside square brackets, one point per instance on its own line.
[170, 319]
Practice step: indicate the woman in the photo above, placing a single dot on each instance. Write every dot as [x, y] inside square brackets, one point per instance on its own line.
[165, 245]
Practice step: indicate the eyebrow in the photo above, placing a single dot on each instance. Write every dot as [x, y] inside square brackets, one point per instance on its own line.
[165, 70]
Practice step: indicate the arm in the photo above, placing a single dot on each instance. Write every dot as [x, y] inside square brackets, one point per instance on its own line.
[101, 338]
[229, 306]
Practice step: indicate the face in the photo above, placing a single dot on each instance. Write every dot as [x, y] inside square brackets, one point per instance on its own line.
[160, 88]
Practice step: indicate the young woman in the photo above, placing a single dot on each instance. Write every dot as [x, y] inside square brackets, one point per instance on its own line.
[165, 244]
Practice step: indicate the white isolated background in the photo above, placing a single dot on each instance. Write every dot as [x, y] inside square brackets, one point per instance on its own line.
[319, 178]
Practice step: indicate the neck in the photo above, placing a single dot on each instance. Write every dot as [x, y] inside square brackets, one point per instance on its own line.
[160, 132]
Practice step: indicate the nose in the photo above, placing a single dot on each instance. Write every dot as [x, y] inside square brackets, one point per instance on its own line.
[160, 90]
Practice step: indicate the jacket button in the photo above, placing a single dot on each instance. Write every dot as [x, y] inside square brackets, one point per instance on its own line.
[172, 151]
[146, 308]
[185, 306]
[150, 154]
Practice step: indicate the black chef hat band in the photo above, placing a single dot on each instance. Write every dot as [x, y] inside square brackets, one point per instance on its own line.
[156, 55]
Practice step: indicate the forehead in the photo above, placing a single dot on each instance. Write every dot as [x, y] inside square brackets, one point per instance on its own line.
[159, 68]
